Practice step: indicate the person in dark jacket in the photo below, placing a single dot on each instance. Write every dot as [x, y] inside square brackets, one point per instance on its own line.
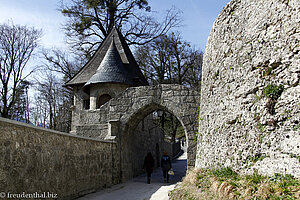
[166, 166]
[148, 165]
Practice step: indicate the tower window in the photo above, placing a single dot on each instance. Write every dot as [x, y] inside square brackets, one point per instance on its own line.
[103, 99]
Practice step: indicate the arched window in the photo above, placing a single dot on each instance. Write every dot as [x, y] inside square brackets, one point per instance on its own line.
[103, 99]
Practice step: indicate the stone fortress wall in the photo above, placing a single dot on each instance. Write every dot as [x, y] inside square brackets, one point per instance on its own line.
[250, 95]
[35, 159]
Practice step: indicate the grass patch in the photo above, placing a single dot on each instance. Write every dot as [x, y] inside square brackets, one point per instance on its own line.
[273, 91]
[254, 179]
[224, 183]
[225, 173]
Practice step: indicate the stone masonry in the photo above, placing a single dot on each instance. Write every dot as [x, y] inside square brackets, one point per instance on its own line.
[38, 160]
[113, 102]
[118, 118]
[250, 95]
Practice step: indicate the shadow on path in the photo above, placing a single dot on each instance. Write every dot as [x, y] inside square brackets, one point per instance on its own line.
[138, 189]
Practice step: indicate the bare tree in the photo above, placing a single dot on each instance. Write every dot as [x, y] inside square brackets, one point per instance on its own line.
[20, 110]
[153, 59]
[185, 63]
[39, 111]
[170, 59]
[61, 62]
[17, 44]
[60, 67]
[91, 20]
[52, 108]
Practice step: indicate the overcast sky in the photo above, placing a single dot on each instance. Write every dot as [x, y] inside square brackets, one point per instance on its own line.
[198, 17]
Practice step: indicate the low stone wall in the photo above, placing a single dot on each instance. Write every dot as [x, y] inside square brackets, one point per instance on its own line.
[39, 160]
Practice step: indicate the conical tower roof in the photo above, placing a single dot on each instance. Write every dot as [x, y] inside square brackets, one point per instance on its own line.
[134, 76]
[111, 69]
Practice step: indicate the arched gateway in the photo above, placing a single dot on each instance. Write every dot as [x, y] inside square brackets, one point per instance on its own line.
[126, 118]
[117, 119]
[127, 110]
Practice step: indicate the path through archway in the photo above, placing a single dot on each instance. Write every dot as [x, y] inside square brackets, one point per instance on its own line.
[135, 104]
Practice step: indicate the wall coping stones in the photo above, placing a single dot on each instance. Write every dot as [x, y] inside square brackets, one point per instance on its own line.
[5, 120]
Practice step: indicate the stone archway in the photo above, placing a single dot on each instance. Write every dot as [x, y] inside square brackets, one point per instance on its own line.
[116, 118]
[135, 104]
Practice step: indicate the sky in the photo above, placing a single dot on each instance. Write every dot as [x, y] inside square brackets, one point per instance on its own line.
[198, 18]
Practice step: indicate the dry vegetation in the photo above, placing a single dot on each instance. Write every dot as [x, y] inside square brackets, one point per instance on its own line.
[222, 184]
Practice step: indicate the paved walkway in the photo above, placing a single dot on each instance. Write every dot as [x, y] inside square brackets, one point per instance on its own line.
[138, 189]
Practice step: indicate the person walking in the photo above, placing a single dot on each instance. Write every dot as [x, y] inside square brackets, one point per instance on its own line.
[148, 165]
[166, 166]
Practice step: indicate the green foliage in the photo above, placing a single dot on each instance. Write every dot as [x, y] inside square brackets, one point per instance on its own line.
[273, 91]
[295, 128]
[234, 183]
[255, 178]
[94, 3]
[285, 182]
[206, 184]
[258, 157]
[203, 181]
[268, 71]
[171, 126]
[260, 127]
[225, 173]
[81, 26]
[253, 159]
[196, 137]
[289, 179]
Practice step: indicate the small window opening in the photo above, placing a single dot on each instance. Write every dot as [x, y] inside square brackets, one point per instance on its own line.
[102, 100]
